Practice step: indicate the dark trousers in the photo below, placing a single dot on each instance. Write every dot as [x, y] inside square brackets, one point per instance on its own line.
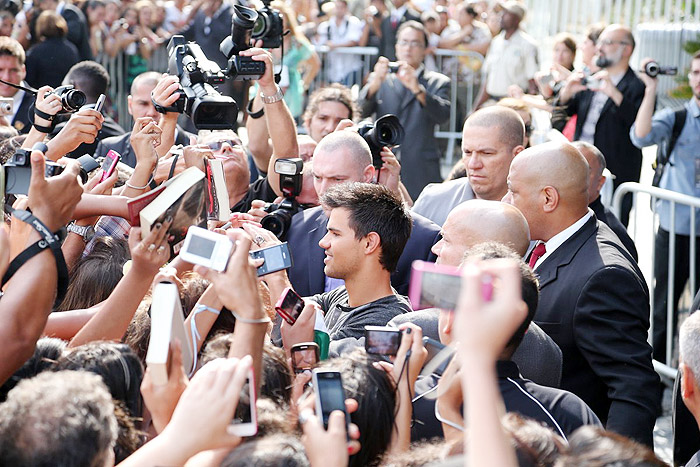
[681, 275]
[626, 204]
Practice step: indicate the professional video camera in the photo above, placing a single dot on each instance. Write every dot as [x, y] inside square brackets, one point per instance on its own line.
[269, 27]
[280, 214]
[242, 25]
[17, 171]
[386, 131]
[653, 70]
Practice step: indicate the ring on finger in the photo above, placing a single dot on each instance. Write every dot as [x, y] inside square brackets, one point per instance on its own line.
[151, 247]
[259, 240]
[161, 249]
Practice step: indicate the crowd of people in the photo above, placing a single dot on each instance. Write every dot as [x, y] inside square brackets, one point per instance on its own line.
[538, 352]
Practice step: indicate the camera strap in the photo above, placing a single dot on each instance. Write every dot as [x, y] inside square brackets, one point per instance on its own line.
[49, 240]
[28, 89]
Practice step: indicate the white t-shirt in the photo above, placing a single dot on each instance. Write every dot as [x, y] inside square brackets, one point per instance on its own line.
[510, 61]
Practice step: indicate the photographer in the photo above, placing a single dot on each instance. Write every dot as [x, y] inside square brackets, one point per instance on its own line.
[679, 175]
[418, 97]
[13, 70]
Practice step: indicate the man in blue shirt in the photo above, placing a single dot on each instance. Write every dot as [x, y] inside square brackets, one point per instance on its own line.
[682, 175]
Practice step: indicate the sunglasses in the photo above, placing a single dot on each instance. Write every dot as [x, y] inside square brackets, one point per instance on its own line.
[217, 145]
[528, 129]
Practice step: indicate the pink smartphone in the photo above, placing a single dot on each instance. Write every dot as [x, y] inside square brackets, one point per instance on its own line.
[109, 164]
[289, 306]
[434, 286]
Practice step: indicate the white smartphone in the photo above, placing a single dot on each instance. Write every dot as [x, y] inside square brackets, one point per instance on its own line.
[206, 248]
[245, 420]
[100, 103]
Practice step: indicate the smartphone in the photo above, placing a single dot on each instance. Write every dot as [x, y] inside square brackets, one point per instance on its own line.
[109, 165]
[382, 340]
[100, 103]
[330, 395]
[305, 356]
[276, 258]
[434, 286]
[439, 356]
[206, 248]
[245, 420]
[289, 305]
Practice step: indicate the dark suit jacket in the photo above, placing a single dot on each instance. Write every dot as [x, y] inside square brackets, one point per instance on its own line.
[594, 303]
[613, 127]
[387, 44]
[605, 215]
[419, 151]
[78, 31]
[23, 121]
[309, 226]
[49, 61]
[122, 145]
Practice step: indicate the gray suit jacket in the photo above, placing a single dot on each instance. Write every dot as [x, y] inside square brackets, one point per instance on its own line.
[419, 153]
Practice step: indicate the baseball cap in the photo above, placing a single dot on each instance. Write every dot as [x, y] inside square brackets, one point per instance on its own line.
[514, 7]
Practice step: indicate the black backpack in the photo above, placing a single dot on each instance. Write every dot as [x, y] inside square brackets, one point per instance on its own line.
[665, 148]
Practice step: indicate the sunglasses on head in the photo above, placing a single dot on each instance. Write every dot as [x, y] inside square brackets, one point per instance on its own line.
[217, 145]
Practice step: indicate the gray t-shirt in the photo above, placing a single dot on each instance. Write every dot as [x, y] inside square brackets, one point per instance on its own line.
[345, 322]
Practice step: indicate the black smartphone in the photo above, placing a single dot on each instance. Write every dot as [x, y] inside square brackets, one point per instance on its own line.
[305, 356]
[382, 340]
[330, 395]
[276, 258]
[437, 349]
[289, 306]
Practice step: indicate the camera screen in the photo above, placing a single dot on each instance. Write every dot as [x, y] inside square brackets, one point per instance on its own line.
[293, 305]
[439, 290]
[330, 390]
[383, 342]
[304, 359]
[107, 163]
[273, 259]
[243, 409]
[201, 246]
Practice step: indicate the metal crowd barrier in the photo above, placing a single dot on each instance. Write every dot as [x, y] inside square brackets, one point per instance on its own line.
[463, 91]
[675, 199]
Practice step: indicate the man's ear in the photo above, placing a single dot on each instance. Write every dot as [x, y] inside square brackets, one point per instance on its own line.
[688, 386]
[550, 197]
[601, 182]
[368, 174]
[518, 149]
[446, 322]
[129, 101]
[371, 243]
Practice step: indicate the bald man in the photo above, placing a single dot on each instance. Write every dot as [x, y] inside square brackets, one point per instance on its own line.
[594, 301]
[596, 179]
[490, 139]
[474, 222]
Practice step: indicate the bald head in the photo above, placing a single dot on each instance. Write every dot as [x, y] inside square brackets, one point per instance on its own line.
[342, 156]
[596, 163]
[348, 143]
[478, 221]
[549, 184]
[511, 129]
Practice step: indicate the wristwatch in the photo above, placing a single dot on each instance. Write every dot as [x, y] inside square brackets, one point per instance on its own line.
[85, 231]
[276, 97]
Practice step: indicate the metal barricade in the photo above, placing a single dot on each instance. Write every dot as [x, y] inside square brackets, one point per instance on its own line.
[675, 199]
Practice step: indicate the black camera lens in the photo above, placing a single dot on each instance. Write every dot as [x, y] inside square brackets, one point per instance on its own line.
[242, 25]
[261, 27]
[212, 113]
[278, 222]
[652, 69]
[388, 131]
[73, 99]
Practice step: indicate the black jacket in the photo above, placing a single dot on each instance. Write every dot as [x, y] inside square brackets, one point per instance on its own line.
[594, 303]
[78, 31]
[605, 215]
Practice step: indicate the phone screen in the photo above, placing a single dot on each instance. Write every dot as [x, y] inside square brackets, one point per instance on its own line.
[303, 359]
[201, 246]
[439, 290]
[382, 342]
[329, 388]
[243, 409]
[276, 258]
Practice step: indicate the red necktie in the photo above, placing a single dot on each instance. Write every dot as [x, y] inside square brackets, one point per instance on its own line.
[394, 22]
[537, 253]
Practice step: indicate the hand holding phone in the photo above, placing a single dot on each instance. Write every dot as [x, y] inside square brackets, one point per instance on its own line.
[277, 257]
[100, 103]
[330, 395]
[206, 248]
[109, 165]
[434, 286]
[289, 306]
[382, 340]
[305, 356]
[245, 420]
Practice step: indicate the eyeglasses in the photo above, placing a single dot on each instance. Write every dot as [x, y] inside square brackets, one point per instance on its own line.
[217, 145]
[410, 44]
[528, 129]
[608, 42]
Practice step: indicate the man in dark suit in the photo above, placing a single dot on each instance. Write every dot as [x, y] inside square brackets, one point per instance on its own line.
[139, 105]
[419, 98]
[78, 29]
[606, 109]
[594, 302]
[13, 70]
[341, 157]
[596, 179]
[391, 24]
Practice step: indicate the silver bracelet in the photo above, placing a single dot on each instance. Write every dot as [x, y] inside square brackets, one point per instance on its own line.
[250, 321]
[276, 97]
[139, 187]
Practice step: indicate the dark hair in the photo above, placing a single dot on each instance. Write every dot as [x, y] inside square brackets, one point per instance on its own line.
[89, 77]
[566, 39]
[276, 450]
[529, 286]
[509, 123]
[50, 24]
[332, 93]
[417, 26]
[593, 446]
[695, 56]
[9, 46]
[277, 377]
[593, 32]
[376, 398]
[64, 418]
[46, 352]
[534, 443]
[95, 276]
[373, 208]
[118, 366]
